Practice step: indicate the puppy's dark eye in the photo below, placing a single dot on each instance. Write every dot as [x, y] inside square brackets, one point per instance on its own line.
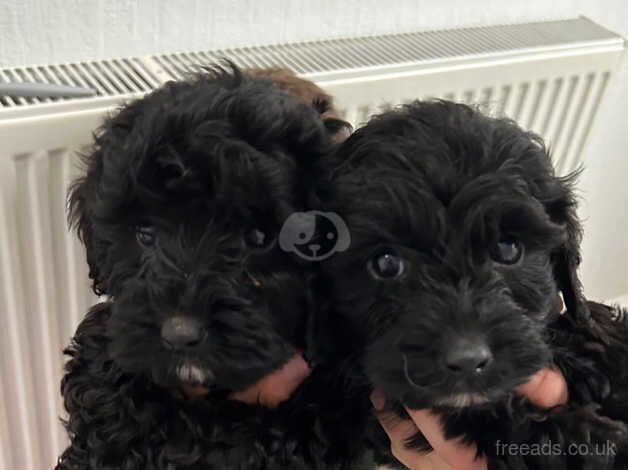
[387, 266]
[255, 238]
[508, 250]
[145, 235]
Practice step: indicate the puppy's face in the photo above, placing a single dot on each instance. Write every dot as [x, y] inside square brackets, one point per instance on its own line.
[185, 194]
[459, 236]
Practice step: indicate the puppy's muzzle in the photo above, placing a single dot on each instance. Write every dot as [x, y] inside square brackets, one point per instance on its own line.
[181, 332]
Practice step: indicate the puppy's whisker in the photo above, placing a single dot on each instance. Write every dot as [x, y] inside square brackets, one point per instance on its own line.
[169, 262]
[142, 271]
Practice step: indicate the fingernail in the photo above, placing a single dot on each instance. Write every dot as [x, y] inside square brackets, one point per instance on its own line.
[378, 400]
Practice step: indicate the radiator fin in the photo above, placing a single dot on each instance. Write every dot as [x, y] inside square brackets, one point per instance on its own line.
[559, 110]
[16, 356]
[45, 293]
[107, 77]
[375, 52]
[34, 226]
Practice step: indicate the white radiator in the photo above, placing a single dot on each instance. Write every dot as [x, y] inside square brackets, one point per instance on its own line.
[549, 76]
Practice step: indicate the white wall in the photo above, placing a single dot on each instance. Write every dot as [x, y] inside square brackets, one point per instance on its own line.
[61, 30]
[50, 31]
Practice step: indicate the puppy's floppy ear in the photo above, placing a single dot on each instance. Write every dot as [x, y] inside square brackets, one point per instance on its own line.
[339, 130]
[104, 162]
[561, 207]
[80, 219]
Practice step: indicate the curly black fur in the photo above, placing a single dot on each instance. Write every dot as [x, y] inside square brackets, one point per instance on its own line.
[437, 188]
[184, 194]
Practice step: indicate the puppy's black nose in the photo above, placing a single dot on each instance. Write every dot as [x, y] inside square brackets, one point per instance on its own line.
[181, 332]
[468, 355]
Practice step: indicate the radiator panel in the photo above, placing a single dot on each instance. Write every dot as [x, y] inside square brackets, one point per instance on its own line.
[559, 104]
[550, 77]
[44, 289]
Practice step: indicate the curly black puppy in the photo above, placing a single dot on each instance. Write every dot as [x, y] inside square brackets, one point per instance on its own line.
[462, 239]
[183, 198]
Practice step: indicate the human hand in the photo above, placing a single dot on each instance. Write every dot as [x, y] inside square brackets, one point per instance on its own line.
[276, 387]
[545, 389]
[270, 390]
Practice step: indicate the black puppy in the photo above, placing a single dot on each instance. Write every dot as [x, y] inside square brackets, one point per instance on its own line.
[462, 239]
[183, 198]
